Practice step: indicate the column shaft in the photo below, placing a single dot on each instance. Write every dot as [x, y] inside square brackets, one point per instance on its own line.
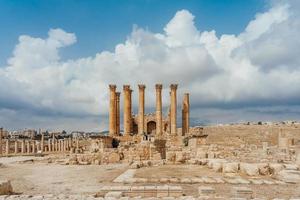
[112, 110]
[16, 146]
[42, 143]
[1, 135]
[173, 114]
[127, 109]
[185, 114]
[23, 146]
[118, 113]
[158, 88]
[141, 116]
[7, 147]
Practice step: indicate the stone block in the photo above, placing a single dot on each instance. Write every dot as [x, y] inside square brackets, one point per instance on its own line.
[162, 191]
[206, 190]
[175, 191]
[230, 167]
[244, 192]
[250, 169]
[5, 187]
[116, 195]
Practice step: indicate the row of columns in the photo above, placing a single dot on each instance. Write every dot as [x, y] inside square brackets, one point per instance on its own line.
[53, 145]
[114, 110]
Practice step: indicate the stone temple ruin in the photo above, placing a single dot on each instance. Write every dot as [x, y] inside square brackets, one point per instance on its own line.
[153, 158]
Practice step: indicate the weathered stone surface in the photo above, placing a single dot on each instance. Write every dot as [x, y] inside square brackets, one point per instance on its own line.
[230, 167]
[5, 187]
[250, 169]
[289, 176]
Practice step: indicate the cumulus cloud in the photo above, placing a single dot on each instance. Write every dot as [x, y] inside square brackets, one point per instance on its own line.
[258, 67]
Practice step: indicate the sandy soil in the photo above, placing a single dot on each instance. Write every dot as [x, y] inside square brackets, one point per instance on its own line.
[43, 178]
[40, 177]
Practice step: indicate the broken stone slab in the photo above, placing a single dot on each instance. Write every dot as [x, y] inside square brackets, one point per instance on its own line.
[244, 192]
[208, 180]
[250, 169]
[230, 167]
[116, 195]
[256, 181]
[5, 187]
[289, 176]
[206, 190]
[125, 176]
[185, 180]
[275, 167]
[291, 167]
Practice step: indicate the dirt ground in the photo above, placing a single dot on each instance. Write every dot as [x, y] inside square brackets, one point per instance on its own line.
[43, 178]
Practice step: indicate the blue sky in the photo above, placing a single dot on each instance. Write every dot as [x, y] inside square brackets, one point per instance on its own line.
[100, 25]
[239, 60]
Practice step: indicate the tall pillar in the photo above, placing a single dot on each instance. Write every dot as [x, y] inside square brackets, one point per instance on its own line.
[112, 110]
[16, 146]
[127, 109]
[1, 135]
[141, 116]
[7, 147]
[42, 143]
[28, 146]
[33, 146]
[118, 113]
[23, 146]
[186, 114]
[159, 127]
[173, 114]
[49, 145]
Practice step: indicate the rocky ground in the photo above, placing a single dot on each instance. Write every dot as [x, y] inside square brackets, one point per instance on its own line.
[50, 178]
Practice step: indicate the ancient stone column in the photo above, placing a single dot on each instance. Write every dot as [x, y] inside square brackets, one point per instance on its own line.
[16, 146]
[7, 147]
[186, 114]
[33, 147]
[112, 110]
[23, 146]
[49, 145]
[1, 135]
[42, 143]
[127, 109]
[28, 146]
[118, 113]
[56, 145]
[77, 145]
[173, 111]
[141, 116]
[159, 127]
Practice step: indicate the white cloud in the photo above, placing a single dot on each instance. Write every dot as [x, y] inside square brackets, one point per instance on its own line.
[261, 64]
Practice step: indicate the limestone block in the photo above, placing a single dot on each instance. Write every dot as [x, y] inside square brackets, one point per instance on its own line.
[289, 176]
[5, 187]
[113, 195]
[256, 181]
[275, 168]
[263, 169]
[245, 192]
[230, 167]
[291, 167]
[206, 190]
[162, 191]
[216, 164]
[113, 157]
[175, 191]
[185, 180]
[251, 169]
[208, 180]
